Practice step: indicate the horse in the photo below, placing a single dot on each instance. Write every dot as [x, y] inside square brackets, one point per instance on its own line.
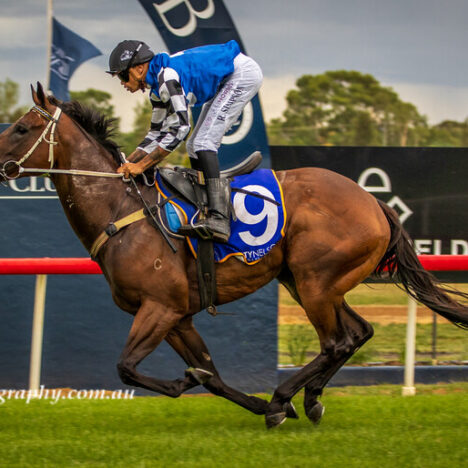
[336, 235]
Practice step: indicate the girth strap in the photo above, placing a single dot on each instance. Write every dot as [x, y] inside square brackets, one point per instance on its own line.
[114, 228]
[206, 276]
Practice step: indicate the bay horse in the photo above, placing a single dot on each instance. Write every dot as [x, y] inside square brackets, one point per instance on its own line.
[336, 235]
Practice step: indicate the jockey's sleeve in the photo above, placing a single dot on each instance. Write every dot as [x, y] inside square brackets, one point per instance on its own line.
[170, 123]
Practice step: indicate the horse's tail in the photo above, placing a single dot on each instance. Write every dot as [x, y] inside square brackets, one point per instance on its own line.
[402, 264]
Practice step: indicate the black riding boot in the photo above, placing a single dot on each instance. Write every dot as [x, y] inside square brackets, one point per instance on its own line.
[217, 225]
[218, 222]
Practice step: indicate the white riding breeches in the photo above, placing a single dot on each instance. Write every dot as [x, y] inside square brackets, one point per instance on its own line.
[220, 113]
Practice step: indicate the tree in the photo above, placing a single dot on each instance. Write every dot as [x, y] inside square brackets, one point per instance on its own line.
[96, 99]
[464, 136]
[448, 133]
[346, 108]
[364, 130]
[9, 96]
[142, 121]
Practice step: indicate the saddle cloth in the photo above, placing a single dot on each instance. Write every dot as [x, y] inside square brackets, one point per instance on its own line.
[259, 222]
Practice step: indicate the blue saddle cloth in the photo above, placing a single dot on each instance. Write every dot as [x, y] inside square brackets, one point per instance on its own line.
[260, 222]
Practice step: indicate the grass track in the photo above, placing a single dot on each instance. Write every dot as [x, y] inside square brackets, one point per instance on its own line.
[362, 427]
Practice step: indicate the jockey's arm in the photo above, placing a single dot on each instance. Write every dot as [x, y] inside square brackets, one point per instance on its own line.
[170, 125]
[144, 161]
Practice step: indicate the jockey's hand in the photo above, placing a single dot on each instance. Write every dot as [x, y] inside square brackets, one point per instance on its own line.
[149, 160]
[130, 169]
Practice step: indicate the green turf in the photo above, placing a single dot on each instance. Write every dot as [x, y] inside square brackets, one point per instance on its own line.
[364, 427]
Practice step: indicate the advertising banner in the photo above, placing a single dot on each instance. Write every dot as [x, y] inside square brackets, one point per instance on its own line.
[426, 186]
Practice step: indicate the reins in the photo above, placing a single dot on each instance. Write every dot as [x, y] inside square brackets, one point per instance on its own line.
[78, 172]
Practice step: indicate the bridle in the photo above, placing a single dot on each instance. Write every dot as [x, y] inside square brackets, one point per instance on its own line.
[51, 126]
[53, 119]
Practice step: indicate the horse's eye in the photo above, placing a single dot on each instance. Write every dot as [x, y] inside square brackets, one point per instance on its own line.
[21, 129]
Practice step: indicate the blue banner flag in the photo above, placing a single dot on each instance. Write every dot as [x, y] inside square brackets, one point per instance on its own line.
[184, 24]
[69, 51]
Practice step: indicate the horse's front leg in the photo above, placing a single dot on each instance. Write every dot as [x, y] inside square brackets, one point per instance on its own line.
[186, 341]
[150, 326]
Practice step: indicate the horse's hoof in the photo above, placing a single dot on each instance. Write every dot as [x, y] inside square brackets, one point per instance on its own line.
[200, 375]
[290, 410]
[316, 412]
[273, 420]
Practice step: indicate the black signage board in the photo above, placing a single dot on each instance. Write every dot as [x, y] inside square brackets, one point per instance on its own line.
[426, 186]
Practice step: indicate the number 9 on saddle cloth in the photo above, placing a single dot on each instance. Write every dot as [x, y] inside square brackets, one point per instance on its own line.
[258, 217]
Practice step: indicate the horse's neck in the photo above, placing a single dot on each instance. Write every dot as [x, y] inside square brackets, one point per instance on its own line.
[90, 203]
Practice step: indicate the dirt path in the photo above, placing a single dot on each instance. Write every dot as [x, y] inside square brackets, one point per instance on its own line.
[383, 314]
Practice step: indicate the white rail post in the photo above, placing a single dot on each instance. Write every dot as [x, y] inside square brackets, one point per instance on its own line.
[409, 389]
[37, 333]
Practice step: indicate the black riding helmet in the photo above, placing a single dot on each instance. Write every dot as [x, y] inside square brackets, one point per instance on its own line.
[127, 54]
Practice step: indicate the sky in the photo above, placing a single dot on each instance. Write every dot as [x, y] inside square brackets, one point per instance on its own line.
[417, 47]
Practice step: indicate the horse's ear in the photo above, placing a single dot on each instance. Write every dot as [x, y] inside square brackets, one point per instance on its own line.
[39, 96]
[34, 96]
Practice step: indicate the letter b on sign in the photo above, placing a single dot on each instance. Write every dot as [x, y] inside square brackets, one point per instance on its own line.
[169, 10]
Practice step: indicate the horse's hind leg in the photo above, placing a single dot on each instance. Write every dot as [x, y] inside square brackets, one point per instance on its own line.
[185, 339]
[341, 333]
[150, 326]
[359, 331]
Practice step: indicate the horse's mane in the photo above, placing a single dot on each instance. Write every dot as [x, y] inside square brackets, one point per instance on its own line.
[97, 125]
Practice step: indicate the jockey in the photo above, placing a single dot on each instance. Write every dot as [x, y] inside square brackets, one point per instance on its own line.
[218, 77]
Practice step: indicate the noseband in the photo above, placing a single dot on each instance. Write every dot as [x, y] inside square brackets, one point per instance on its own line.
[53, 119]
